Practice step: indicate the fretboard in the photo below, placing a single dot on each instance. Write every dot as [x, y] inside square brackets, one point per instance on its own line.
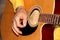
[50, 18]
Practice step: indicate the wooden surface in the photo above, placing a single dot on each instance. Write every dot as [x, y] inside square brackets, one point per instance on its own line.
[47, 6]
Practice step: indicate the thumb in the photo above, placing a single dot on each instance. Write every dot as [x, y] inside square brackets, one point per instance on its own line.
[25, 21]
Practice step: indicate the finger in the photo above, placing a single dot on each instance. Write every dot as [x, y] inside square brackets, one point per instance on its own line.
[14, 31]
[16, 28]
[18, 22]
[25, 21]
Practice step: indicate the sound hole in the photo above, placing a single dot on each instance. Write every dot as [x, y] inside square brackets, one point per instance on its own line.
[28, 30]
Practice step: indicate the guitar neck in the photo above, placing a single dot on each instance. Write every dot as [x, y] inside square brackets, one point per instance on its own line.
[50, 18]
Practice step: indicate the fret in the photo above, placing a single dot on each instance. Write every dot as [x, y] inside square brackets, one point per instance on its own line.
[50, 18]
[57, 17]
[53, 17]
[43, 18]
[54, 20]
[59, 20]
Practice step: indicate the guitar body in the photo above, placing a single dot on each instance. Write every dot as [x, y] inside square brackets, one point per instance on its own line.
[43, 32]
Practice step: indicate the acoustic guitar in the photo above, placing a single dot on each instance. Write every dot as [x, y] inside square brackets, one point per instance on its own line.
[42, 32]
